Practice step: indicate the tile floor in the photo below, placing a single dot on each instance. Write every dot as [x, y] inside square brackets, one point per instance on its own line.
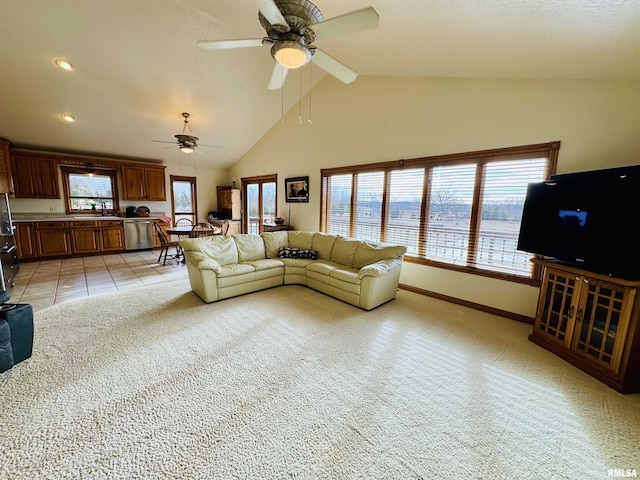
[47, 282]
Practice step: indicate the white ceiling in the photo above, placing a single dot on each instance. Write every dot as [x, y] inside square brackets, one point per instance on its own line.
[137, 65]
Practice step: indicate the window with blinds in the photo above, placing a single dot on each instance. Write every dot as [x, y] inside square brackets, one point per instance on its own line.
[459, 211]
[89, 190]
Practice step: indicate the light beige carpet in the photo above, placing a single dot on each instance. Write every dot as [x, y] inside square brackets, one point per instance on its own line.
[289, 383]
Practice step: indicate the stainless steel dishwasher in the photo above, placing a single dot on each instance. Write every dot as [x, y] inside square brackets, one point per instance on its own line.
[138, 233]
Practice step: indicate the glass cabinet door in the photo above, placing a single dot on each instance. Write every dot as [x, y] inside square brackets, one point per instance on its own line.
[558, 306]
[601, 328]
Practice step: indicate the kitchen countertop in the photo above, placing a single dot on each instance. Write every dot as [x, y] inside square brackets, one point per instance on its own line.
[75, 218]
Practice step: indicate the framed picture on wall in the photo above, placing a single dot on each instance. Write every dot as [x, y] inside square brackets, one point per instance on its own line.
[296, 189]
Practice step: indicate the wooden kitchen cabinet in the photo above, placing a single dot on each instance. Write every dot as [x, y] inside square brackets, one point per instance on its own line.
[591, 321]
[6, 179]
[53, 239]
[34, 176]
[228, 202]
[142, 182]
[163, 226]
[85, 237]
[97, 236]
[26, 240]
[111, 235]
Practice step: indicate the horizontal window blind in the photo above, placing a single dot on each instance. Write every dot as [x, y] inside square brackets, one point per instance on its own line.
[503, 194]
[462, 210]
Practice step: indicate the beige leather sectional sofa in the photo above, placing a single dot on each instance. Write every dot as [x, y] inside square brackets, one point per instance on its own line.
[361, 273]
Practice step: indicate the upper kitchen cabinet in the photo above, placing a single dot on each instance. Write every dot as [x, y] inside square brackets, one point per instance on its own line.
[34, 176]
[142, 182]
[6, 180]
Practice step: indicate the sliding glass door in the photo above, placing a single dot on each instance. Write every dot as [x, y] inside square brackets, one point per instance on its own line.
[260, 202]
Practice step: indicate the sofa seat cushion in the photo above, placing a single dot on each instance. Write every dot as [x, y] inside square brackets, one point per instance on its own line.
[265, 264]
[237, 269]
[250, 247]
[322, 267]
[349, 275]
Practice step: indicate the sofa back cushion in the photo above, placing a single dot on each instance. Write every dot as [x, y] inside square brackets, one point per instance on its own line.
[300, 240]
[273, 241]
[250, 247]
[344, 250]
[368, 253]
[323, 244]
[218, 247]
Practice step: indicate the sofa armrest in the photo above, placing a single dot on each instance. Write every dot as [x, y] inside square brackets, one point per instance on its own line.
[202, 261]
[379, 268]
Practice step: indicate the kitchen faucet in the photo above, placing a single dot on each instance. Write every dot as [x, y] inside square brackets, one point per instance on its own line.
[103, 208]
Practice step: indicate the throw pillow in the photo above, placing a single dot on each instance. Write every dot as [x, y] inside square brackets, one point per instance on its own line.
[290, 252]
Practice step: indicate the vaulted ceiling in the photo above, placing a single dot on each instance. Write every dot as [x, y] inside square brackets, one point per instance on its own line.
[137, 65]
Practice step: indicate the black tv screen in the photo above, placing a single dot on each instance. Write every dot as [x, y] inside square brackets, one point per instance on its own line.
[587, 220]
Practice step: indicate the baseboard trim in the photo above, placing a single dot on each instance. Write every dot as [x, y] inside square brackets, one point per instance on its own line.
[476, 306]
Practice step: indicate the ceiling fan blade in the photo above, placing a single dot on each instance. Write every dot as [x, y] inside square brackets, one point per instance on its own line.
[270, 11]
[224, 44]
[212, 146]
[278, 76]
[364, 19]
[334, 67]
[162, 141]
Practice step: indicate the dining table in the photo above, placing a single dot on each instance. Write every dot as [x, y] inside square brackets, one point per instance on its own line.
[185, 231]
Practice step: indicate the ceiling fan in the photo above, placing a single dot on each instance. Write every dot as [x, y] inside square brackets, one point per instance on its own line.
[292, 26]
[187, 143]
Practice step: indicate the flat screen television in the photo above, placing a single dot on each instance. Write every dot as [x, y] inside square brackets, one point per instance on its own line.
[587, 219]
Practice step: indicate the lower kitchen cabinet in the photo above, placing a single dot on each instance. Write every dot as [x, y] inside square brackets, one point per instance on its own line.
[26, 240]
[591, 321]
[36, 240]
[85, 237]
[111, 236]
[53, 239]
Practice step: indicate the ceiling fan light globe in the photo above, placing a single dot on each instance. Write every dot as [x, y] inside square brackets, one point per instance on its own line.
[290, 54]
[186, 149]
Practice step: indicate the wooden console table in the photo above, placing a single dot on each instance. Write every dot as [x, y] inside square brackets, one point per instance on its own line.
[272, 227]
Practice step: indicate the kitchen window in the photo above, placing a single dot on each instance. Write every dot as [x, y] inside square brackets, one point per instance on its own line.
[89, 190]
[460, 212]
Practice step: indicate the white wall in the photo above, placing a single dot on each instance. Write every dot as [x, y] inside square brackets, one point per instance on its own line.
[379, 119]
[206, 181]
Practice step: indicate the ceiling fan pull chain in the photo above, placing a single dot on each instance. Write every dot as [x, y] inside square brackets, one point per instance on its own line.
[282, 104]
[309, 121]
[300, 96]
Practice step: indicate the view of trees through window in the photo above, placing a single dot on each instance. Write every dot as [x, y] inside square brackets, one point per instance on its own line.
[90, 192]
[184, 198]
[465, 214]
[260, 201]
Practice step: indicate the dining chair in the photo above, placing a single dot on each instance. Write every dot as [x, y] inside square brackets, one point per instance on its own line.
[223, 225]
[184, 222]
[203, 229]
[166, 244]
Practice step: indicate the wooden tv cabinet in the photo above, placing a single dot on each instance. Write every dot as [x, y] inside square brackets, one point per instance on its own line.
[591, 321]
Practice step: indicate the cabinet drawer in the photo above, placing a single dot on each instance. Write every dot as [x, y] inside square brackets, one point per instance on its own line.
[85, 223]
[52, 224]
[110, 223]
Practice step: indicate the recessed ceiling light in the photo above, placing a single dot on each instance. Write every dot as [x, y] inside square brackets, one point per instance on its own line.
[68, 118]
[64, 64]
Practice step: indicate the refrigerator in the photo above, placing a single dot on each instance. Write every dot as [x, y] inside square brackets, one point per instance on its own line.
[8, 253]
